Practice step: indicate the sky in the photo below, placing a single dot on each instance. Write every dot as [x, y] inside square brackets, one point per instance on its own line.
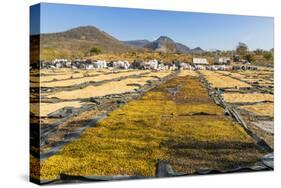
[208, 31]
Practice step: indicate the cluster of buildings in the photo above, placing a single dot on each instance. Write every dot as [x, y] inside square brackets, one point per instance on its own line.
[101, 64]
[217, 61]
[158, 65]
[220, 63]
[75, 64]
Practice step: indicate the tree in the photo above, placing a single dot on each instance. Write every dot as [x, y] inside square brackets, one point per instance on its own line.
[259, 51]
[250, 57]
[95, 51]
[242, 49]
[268, 56]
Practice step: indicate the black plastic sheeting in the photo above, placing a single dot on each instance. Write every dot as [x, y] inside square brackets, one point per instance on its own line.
[268, 160]
[163, 170]
[70, 137]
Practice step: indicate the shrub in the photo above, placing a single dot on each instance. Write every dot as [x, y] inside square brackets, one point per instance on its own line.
[268, 55]
[250, 57]
[95, 50]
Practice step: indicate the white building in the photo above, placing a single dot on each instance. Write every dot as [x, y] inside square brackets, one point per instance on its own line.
[90, 67]
[222, 60]
[121, 64]
[173, 67]
[152, 64]
[185, 66]
[59, 63]
[200, 67]
[68, 64]
[100, 64]
[200, 61]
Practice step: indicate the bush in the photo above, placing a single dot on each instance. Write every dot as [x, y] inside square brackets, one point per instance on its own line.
[268, 55]
[242, 49]
[95, 50]
[250, 57]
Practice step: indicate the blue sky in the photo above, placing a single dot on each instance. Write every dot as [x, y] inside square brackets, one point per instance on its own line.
[209, 31]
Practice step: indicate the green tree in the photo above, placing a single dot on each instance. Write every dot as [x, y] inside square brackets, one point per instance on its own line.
[268, 55]
[95, 51]
[242, 49]
[259, 51]
[250, 57]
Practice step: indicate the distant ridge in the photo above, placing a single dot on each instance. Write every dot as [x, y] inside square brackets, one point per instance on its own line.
[197, 50]
[164, 44]
[79, 41]
[137, 43]
[182, 48]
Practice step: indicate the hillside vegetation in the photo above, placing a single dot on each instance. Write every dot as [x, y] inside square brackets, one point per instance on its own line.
[90, 42]
[79, 42]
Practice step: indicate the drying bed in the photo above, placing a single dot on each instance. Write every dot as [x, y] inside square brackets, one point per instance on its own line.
[217, 80]
[261, 109]
[247, 97]
[252, 106]
[89, 78]
[169, 123]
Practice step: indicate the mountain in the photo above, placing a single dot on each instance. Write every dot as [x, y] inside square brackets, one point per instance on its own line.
[162, 44]
[182, 48]
[137, 43]
[78, 42]
[87, 40]
[197, 50]
[166, 44]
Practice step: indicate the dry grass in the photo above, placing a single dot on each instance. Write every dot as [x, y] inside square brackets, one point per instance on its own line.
[43, 109]
[247, 97]
[262, 109]
[159, 126]
[217, 80]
